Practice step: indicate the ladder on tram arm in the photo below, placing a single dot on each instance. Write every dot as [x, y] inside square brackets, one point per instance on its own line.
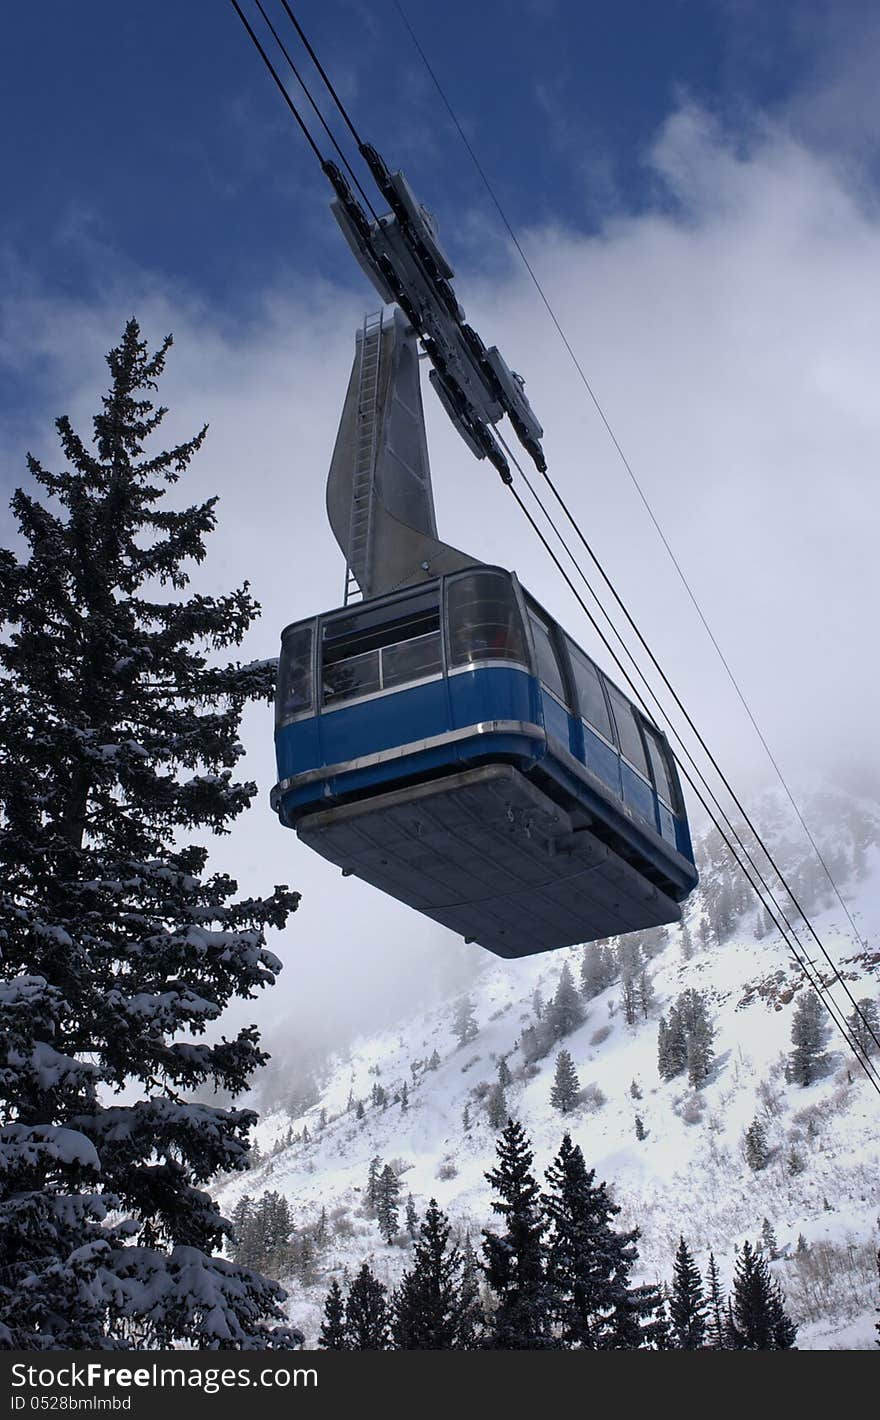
[360, 533]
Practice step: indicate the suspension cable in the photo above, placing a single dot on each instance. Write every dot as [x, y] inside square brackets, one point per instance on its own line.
[837, 974]
[630, 471]
[785, 927]
[690, 722]
[272, 70]
[324, 75]
[321, 119]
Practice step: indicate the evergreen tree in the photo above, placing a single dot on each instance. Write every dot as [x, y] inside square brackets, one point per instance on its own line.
[434, 1062]
[566, 1086]
[565, 1012]
[685, 1039]
[427, 1304]
[359, 1110]
[699, 1034]
[629, 955]
[598, 969]
[272, 1225]
[504, 1076]
[470, 1311]
[245, 1249]
[332, 1336]
[687, 942]
[496, 1107]
[864, 1024]
[387, 1203]
[466, 1118]
[716, 1327]
[367, 1318]
[464, 1025]
[759, 1319]
[644, 993]
[687, 1307]
[629, 999]
[589, 1263]
[757, 1149]
[412, 1217]
[671, 1045]
[120, 737]
[404, 1096]
[769, 1244]
[808, 1034]
[641, 1131]
[531, 1045]
[515, 1258]
[371, 1198]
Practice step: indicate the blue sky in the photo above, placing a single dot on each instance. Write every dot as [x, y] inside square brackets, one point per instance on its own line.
[695, 183]
[154, 131]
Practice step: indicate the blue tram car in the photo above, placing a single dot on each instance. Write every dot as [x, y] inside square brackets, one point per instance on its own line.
[451, 745]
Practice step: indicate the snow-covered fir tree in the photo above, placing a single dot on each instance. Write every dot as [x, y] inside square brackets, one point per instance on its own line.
[427, 1305]
[371, 1192]
[756, 1146]
[716, 1326]
[565, 1012]
[496, 1106]
[515, 1258]
[388, 1203]
[758, 1316]
[367, 1317]
[687, 1304]
[121, 734]
[864, 1024]
[598, 969]
[809, 1032]
[464, 1024]
[594, 1304]
[566, 1087]
[332, 1336]
[412, 1217]
[685, 1039]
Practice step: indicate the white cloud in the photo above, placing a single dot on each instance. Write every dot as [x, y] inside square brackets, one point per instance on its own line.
[733, 342]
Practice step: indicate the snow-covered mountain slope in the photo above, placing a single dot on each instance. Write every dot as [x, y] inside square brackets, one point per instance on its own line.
[688, 1175]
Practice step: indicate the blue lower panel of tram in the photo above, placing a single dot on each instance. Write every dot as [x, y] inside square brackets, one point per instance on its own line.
[476, 795]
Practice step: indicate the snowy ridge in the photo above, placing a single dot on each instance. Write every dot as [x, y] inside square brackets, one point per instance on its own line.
[687, 1175]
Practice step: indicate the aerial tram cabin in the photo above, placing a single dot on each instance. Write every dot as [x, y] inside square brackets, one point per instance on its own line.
[451, 745]
[443, 738]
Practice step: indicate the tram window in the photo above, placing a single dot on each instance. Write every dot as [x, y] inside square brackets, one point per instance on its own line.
[549, 671]
[659, 755]
[293, 694]
[591, 697]
[630, 738]
[380, 647]
[412, 660]
[356, 675]
[484, 620]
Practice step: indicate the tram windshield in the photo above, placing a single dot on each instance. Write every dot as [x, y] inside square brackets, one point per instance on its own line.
[294, 692]
[484, 620]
